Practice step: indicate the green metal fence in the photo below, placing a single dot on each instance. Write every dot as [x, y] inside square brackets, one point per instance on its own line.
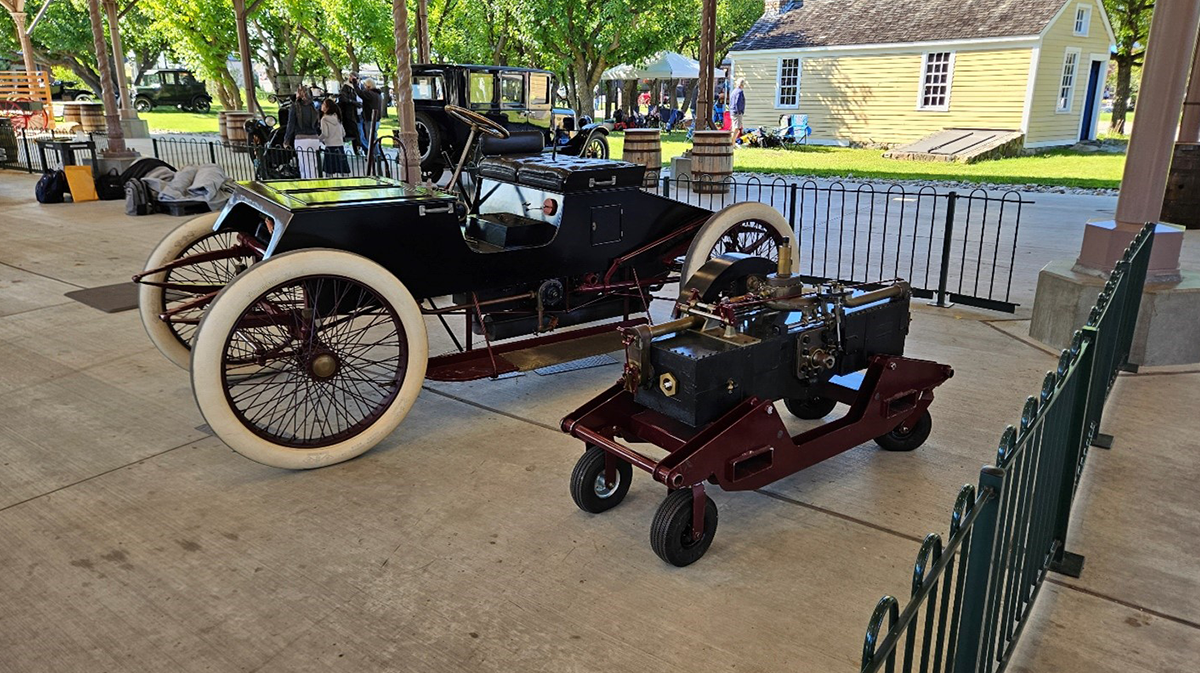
[971, 594]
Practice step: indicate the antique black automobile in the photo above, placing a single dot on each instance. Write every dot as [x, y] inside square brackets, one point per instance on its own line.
[703, 389]
[301, 307]
[519, 99]
[175, 87]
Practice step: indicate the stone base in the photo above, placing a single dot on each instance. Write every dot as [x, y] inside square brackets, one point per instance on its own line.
[135, 128]
[118, 161]
[1167, 322]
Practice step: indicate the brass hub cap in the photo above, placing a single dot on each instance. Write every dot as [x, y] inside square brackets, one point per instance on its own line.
[323, 366]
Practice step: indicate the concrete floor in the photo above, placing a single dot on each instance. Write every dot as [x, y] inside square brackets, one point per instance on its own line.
[135, 541]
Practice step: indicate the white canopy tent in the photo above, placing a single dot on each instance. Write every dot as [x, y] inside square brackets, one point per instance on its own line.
[663, 65]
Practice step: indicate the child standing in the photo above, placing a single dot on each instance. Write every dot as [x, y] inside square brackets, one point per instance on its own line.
[333, 137]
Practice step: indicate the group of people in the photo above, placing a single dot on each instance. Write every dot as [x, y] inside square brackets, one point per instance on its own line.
[354, 116]
[666, 114]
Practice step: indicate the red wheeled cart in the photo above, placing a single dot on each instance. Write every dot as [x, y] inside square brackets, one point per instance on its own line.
[771, 355]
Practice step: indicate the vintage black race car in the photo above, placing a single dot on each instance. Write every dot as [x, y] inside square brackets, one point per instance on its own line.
[301, 307]
[519, 99]
[175, 87]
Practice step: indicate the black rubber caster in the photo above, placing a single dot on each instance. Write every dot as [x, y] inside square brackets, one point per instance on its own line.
[909, 435]
[671, 532]
[588, 487]
[810, 409]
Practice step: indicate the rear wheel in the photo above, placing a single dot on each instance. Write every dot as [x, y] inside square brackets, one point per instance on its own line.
[754, 229]
[811, 408]
[429, 141]
[309, 359]
[173, 338]
[909, 435]
[202, 104]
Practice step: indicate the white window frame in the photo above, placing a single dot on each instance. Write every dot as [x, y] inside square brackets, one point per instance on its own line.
[921, 82]
[1086, 21]
[1058, 90]
[779, 82]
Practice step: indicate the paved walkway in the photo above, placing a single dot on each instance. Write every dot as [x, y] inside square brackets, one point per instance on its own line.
[135, 541]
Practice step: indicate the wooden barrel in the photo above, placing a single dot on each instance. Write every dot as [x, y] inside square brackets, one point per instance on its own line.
[643, 146]
[235, 123]
[712, 162]
[91, 115]
[1181, 203]
[71, 113]
[221, 125]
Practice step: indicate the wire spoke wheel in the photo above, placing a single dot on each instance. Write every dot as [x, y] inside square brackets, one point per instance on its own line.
[750, 237]
[218, 273]
[314, 361]
[754, 229]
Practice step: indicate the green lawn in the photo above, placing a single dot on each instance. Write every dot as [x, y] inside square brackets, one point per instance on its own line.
[1057, 167]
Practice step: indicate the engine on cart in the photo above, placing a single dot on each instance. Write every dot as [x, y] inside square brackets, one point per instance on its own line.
[747, 328]
[703, 389]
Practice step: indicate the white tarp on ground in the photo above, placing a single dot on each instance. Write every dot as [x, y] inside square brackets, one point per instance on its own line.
[663, 65]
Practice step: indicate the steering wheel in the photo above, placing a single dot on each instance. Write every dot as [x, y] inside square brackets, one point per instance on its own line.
[477, 121]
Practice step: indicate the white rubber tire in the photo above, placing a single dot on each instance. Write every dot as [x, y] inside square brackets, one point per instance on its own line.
[227, 308]
[150, 298]
[711, 232]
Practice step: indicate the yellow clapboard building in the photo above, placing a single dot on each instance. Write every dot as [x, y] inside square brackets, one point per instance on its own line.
[893, 71]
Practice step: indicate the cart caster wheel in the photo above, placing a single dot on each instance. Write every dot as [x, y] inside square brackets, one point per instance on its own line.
[908, 436]
[810, 409]
[588, 487]
[671, 531]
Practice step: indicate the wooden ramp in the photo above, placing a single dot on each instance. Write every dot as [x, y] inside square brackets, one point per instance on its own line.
[962, 145]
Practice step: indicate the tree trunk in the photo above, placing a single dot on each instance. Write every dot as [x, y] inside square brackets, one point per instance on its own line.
[1121, 95]
[629, 94]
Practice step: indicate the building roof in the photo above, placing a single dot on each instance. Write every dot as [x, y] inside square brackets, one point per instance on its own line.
[825, 23]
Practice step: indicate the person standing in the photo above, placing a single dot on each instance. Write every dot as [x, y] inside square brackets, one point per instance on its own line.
[371, 111]
[304, 133]
[333, 137]
[737, 108]
[349, 103]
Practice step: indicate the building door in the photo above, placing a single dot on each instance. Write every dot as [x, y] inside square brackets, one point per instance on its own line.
[1088, 125]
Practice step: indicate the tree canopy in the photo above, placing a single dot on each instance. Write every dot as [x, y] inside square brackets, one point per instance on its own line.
[301, 40]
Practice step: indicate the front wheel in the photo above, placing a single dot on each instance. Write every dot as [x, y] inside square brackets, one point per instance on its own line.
[671, 532]
[142, 104]
[596, 147]
[590, 490]
[309, 359]
[429, 141]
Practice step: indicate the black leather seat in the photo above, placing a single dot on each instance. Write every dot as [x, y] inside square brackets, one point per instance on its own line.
[562, 173]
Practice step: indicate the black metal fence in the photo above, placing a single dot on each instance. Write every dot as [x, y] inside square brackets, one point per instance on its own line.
[950, 246]
[242, 161]
[971, 595]
[21, 149]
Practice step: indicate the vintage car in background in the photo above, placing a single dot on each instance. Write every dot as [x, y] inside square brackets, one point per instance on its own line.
[519, 99]
[175, 87]
[68, 90]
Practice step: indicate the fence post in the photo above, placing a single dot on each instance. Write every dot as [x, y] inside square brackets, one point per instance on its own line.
[947, 241]
[792, 192]
[1065, 562]
[666, 186]
[154, 144]
[28, 156]
[974, 625]
[212, 153]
